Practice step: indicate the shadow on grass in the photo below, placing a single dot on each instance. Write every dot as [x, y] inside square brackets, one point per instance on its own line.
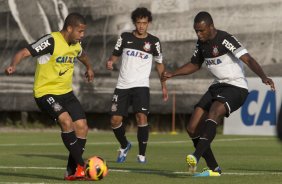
[58, 157]
[33, 175]
[142, 170]
[166, 173]
[256, 170]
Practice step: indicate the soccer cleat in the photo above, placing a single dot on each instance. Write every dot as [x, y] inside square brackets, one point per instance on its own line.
[218, 169]
[141, 159]
[70, 170]
[122, 153]
[192, 163]
[207, 173]
[78, 175]
[67, 175]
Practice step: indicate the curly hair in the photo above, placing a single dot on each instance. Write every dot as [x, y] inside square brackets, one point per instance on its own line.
[141, 13]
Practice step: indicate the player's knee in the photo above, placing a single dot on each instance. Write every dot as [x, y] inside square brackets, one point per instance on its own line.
[141, 119]
[217, 111]
[116, 121]
[81, 126]
[191, 130]
[66, 125]
[216, 115]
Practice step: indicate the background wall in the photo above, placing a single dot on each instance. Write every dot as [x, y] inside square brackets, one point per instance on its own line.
[257, 24]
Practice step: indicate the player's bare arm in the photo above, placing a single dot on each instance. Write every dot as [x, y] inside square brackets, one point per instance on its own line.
[256, 68]
[160, 69]
[89, 74]
[111, 61]
[19, 56]
[186, 69]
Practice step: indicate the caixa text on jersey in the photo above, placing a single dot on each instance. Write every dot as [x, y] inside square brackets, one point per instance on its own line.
[135, 53]
[212, 61]
[65, 59]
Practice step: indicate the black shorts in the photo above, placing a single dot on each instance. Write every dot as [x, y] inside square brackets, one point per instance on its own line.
[138, 97]
[233, 97]
[55, 105]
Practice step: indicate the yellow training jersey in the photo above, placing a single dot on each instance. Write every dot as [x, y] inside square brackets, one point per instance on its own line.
[54, 70]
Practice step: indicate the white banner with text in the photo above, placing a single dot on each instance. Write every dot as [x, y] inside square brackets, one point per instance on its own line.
[260, 111]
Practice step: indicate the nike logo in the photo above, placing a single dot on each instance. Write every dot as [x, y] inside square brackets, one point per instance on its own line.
[72, 143]
[220, 96]
[143, 109]
[62, 73]
[129, 42]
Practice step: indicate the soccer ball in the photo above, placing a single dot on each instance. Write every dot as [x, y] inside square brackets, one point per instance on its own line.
[96, 168]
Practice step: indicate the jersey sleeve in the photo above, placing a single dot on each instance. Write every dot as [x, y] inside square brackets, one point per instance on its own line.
[157, 52]
[119, 46]
[42, 46]
[232, 44]
[197, 57]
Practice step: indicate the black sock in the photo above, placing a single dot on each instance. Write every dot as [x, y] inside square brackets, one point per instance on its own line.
[142, 137]
[207, 155]
[195, 141]
[210, 159]
[206, 138]
[71, 143]
[71, 166]
[120, 135]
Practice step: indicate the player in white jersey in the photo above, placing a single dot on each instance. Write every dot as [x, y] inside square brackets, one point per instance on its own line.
[224, 56]
[139, 50]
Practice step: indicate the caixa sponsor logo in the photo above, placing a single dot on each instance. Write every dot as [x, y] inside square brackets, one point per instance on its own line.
[141, 55]
[65, 59]
[255, 114]
[213, 62]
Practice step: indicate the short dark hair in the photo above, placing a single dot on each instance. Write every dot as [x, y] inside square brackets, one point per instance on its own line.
[141, 13]
[203, 16]
[74, 19]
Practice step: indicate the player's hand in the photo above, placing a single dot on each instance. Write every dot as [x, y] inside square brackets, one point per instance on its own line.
[89, 74]
[268, 81]
[165, 75]
[109, 65]
[10, 70]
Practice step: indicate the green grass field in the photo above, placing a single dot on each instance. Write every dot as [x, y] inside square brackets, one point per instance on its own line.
[40, 157]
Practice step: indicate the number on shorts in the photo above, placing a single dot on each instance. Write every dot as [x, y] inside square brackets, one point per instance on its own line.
[50, 100]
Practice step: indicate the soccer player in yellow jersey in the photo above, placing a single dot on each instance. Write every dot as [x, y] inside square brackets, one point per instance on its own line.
[57, 52]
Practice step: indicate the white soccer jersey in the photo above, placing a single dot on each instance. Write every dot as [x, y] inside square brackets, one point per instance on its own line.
[221, 56]
[137, 57]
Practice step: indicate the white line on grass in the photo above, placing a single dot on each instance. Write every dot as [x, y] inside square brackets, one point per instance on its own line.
[186, 173]
[150, 171]
[151, 142]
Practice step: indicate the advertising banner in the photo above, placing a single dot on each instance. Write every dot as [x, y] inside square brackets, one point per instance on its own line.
[259, 113]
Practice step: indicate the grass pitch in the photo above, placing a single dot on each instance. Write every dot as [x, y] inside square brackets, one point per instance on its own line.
[39, 157]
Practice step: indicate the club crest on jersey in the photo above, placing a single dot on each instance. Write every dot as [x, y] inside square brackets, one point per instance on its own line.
[147, 46]
[215, 51]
